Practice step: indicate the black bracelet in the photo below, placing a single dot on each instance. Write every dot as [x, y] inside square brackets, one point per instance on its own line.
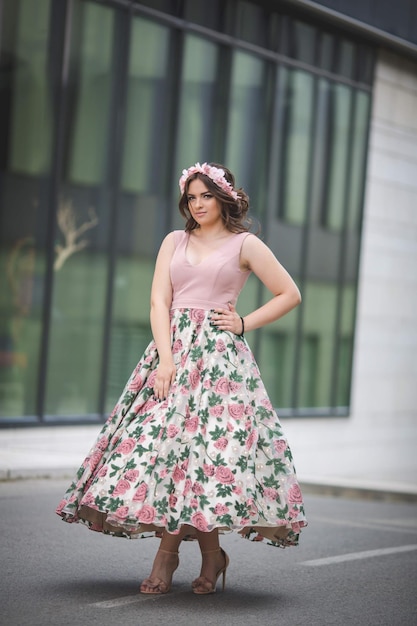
[243, 327]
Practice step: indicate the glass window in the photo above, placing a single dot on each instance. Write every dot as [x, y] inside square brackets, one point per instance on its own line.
[142, 202]
[295, 171]
[25, 157]
[199, 112]
[80, 269]
[247, 133]
[251, 22]
[338, 156]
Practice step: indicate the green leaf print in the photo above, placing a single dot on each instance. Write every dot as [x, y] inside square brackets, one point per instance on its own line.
[203, 501]
[184, 321]
[252, 383]
[237, 378]
[263, 413]
[215, 373]
[115, 469]
[279, 466]
[155, 431]
[214, 399]
[114, 504]
[196, 353]
[217, 433]
[101, 503]
[282, 513]
[210, 345]
[223, 490]
[270, 481]
[241, 436]
[161, 505]
[170, 460]
[241, 509]
[242, 463]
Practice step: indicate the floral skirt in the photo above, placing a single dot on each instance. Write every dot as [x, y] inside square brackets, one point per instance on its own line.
[211, 455]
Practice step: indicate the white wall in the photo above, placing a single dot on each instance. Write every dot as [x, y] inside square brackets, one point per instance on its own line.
[384, 385]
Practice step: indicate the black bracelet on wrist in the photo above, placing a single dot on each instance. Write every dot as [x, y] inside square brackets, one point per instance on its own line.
[243, 327]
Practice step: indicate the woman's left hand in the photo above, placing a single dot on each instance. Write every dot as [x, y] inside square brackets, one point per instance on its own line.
[227, 319]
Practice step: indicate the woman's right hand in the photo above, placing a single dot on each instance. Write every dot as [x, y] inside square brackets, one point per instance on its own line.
[165, 376]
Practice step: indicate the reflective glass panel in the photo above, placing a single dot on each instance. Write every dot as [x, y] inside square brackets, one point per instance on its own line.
[25, 156]
[142, 202]
[80, 268]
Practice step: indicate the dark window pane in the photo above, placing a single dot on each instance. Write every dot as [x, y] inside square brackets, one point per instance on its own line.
[26, 119]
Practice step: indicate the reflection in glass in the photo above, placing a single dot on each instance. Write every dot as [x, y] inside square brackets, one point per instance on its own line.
[141, 201]
[25, 125]
[247, 133]
[80, 277]
[197, 105]
[296, 158]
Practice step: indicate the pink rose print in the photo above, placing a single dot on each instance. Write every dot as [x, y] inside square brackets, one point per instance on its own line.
[132, 475]
[249, 410]
[151, 379]
[293, 512]
[60, 506]
[216, 411]
[251, 439]
[237, 490]
[172, 430]
[199, 521]
[296, 527]
[184, 464]
[184, 391]
[221, 443]
[149, 359]
[146, 514]
[224, 475]
[187, 486]
[197, 315]
[121, 487]
[177, 346]
[194, 503]
[136, 383]
[122, 512]
[236, 410]
[163, 472]
[198, 489]
[178, 474]
[172, 500]
[207, 384]
[184, 359]
[88, 499]
[152, 460]
[95, 458]
[222, 386]
[208, 470]
[191, 424]
[230, 427]
[267, 404]
[103, 443]
[280, 445]
[234, 386]
[294, 494]
[102, 471]
[140, 493]
[194, 378]
[270, 493]
[126, 446]
[240, 346]
[220, 345]
[221, 509]
[200, 364]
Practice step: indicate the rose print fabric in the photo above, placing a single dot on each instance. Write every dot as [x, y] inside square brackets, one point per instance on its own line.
[211, 455]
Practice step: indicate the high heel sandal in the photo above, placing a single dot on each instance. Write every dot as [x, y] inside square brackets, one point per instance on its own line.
[202, 581]
[157, 585]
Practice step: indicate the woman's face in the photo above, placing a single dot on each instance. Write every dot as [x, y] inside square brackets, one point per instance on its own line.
[203, 206]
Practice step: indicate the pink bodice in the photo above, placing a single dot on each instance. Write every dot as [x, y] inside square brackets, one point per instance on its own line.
[212, 283]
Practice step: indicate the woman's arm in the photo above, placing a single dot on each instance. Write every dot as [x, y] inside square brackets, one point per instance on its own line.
[161, 299]
[256, 256]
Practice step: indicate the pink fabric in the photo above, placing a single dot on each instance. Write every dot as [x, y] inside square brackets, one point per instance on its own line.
[212, 283]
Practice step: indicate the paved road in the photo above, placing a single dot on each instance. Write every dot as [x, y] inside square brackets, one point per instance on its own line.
[356, 564]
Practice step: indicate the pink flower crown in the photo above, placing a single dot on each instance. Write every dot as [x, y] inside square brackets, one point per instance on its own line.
[216, 174]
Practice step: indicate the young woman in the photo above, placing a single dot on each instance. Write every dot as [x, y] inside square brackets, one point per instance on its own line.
[193, 446]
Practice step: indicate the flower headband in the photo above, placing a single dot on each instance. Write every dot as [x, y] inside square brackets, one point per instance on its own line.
[216, 174]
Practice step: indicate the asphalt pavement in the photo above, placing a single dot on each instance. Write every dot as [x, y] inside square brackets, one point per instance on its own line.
[356, 565]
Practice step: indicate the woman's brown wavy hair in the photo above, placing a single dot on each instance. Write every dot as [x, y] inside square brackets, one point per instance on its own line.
[234, 212]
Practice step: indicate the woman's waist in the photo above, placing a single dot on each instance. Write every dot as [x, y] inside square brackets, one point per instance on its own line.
[198, 303]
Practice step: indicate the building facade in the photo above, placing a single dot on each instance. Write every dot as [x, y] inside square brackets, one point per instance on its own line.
[313, 108]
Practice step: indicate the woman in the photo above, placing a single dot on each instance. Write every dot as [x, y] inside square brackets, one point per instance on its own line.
[194, 446]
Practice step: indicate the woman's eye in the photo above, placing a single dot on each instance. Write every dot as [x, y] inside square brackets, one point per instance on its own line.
[208, 196]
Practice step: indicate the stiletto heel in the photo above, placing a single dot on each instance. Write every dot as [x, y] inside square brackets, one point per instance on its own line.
[157, 585]
[207, 585]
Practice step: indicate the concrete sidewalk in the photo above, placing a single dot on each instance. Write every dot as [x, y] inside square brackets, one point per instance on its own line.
[332, 456]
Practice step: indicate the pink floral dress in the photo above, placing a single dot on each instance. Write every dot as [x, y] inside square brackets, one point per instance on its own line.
[213, 454]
